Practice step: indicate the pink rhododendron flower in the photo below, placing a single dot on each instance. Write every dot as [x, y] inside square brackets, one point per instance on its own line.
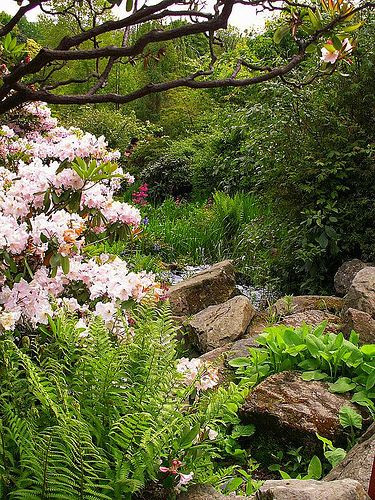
[37, 227]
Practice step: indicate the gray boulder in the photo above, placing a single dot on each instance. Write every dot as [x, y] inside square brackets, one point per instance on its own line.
[362, 323]
[211, 286]
[300, 303]
[345, 275]
[314, 318]
[220, 324]
[361, 294]
[358, 462]
[207, 492]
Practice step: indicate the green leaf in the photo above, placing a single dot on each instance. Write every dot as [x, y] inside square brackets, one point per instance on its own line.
[338, 45]
[237, 362]
[280, 33]
[243, 431]
[65, 264]
[314, 375]
[368, 349]
[335, 456]
[233, 485]
[284, 475]
[343, 384]
[353, 27]
[129, 5]
[188, 438]
[370, 381]
[322, 240]
[314, 469]
[350, 418]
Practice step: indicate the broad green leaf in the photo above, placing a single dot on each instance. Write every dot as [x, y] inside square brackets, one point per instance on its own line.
[189, 437]
[280, 33]
[233, 485]
[350, 418]
[314, 375]
[314, 469]
[243, 430]
[368, 349]
[237, 362]
[343, 384]
[335, 456]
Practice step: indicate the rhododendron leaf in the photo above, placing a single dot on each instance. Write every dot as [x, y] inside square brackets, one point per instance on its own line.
[280, 33]
[314, 20]
[329, 47]
[65, 264]
[310, 49]
[353, 27]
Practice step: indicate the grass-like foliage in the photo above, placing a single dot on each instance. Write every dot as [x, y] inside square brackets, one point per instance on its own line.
[88, 417]
[347, 366]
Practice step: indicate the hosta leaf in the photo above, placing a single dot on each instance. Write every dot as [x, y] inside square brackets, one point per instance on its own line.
[315, 468]
[350, 418]
[314, 375]
[335, 456]
[343, 384]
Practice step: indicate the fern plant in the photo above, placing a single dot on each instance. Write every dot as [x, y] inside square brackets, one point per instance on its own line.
[84, 416]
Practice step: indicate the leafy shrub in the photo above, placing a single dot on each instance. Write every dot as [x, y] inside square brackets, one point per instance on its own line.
[318, 355]
[168, 176]
[85, 416]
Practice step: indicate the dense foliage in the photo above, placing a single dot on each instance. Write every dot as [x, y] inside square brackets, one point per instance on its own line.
[83, 416]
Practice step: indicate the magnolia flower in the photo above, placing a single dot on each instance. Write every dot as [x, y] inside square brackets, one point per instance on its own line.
[331, 57]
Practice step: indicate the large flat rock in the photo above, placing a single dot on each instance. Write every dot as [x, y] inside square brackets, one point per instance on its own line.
[295, 489]
[361, 294]
[221, 324]
[300, 303]
[294, 408]
[314, 318]
[358, 462]
[211, 286]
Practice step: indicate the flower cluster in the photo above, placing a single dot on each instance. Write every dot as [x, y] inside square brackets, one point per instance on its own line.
[140, 197]
[202, 375]
[48, 214]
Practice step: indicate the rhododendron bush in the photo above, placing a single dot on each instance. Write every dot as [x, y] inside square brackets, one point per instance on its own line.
[57, 196]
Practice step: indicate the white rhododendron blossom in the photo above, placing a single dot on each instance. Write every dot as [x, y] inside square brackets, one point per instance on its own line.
[43, 232]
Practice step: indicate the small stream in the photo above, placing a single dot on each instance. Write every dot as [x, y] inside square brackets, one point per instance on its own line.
[259, 297]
